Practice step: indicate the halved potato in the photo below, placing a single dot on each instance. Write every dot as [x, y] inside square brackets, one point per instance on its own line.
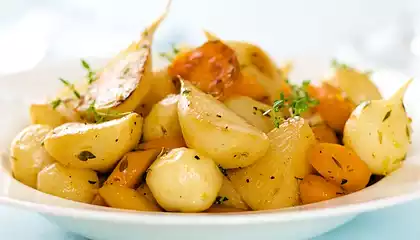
[71, 183]
[252, 111]
[357, 86]
[229, 197]
[273, 181]
[126, 198]
[379, 131]
[94, 146]
[125, 82]
[213, 129]
[162, 121]
[27, 154]
[44, 113]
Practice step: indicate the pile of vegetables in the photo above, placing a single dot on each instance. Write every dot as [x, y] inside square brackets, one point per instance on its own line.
[221, 129]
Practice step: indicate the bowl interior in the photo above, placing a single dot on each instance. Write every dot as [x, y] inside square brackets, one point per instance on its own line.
[19, 90]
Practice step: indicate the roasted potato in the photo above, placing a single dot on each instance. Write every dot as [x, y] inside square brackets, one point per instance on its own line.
[211, 128]
[273, 181]
[94, 146]
[126, 81]
[357, 85]
[379, 131]
[252, 111]
[28, 155]
[184, 180]
[71, 183]
[46, 114]
[314, 188]
[229, 197]
[126, 198]
[162, 121]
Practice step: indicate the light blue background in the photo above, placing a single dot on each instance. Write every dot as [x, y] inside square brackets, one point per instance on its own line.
[400, 222]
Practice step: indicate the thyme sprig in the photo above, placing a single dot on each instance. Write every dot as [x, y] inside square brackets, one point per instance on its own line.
[170, 55]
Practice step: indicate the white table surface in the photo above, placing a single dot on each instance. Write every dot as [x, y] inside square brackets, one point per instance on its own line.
[54, 26]
[400, 222]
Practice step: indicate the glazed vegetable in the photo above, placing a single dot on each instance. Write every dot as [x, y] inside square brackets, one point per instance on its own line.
[129, 171]
[273, 181]
[229, 197]
[184, 180]
[94, 146]
[357, 85]
[144, 190]
[126, 198]
[54, 113]
[162, 120]
[213, 68]
[314, 188]
[71, 183]
[213, 129]
[27, 154]
[333, 107]
[167, 143]
[324, 134]
[340, 165]
[379, 131]
[125, 82]
[252, 111]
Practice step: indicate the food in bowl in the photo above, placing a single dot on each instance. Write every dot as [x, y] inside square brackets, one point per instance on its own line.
[221, 129]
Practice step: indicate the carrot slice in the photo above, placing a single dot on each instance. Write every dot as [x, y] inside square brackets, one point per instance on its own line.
[168, 143]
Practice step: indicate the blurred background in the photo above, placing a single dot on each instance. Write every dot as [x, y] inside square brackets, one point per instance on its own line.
[372, 33]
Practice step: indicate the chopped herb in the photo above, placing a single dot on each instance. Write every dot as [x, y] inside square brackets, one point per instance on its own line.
[403, 106]
[186, 92]
[85, 155]
[407, 131]
[126, 70]
[197, 157]
[298, 178]
[56, 103]
[343, 181]
[91, 182]
[255, 108]
[220, 200]
[219, 116]
[272, 177]
[247, 180]
[42, 143]
[116, 140]
[224, 171]
[100, 117]
[123, 164]
[71, 87]
[339, 193]
[337, 162]
[387, 115]
[163, 129]
[380, 136]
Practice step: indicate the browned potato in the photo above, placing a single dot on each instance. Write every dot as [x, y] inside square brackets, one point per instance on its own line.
[340, 165]
[314, 188]
[273, 181]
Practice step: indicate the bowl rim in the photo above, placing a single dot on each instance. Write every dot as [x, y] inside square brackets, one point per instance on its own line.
[91, 212]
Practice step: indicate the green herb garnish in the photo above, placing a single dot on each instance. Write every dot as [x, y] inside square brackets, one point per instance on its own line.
[91, 75]
[170, 55]
[85, 155]
[100, 117]
[56, 103]
[336, 64]
[297, 103]
[71, 87]
[220, 200]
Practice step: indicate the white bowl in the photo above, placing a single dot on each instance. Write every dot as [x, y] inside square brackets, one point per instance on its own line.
[16, 92]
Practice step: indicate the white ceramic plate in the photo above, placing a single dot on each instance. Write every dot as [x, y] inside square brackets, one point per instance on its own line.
[17, 91]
